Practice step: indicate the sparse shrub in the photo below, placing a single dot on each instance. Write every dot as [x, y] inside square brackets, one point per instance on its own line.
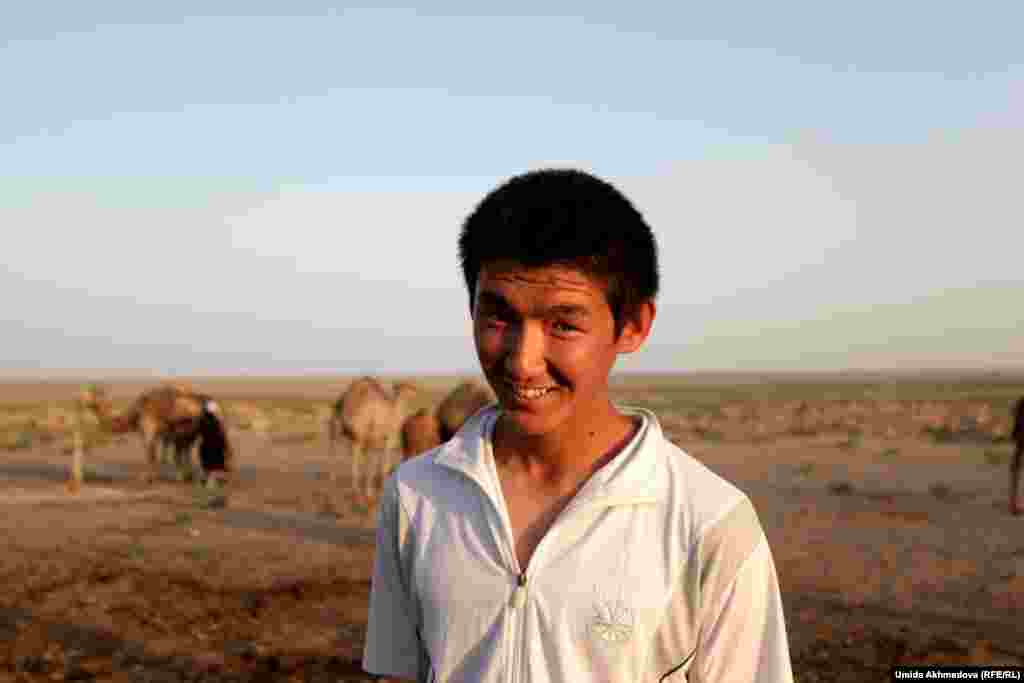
[806, 469]
[890, 453]
[941, 434]
[969, 432]
[709, 434]
[136, 551]
[16, 439]
[198, 553]
[91, 474]
[940, 490]
[852, 442]
[993, 457]
[183, 518]
[207, 498]
[23, 439]
[840, 488]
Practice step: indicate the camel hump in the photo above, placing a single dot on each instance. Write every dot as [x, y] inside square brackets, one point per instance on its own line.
[461, 404]
[363, 390]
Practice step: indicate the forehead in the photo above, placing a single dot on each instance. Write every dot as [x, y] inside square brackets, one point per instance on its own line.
[508, 277]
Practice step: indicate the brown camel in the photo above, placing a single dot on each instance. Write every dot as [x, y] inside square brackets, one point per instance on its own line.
[168, 415]
[1016, 503]
[420, 432]
[461, 404]
[370, 418]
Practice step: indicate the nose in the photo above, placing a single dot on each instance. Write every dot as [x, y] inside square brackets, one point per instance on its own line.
[524, 352]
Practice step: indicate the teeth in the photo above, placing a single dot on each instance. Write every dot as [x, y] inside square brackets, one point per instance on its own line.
[527, 393]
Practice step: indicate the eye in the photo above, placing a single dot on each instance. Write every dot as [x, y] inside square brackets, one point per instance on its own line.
[492, 319]
[565, 327]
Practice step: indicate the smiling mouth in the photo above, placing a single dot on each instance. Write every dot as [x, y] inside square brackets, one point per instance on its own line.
[525, 394]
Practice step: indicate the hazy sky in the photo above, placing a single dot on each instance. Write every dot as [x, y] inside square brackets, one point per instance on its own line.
[198, 187]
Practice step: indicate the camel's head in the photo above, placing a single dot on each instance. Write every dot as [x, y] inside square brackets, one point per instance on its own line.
[405, 391]
[92, 395]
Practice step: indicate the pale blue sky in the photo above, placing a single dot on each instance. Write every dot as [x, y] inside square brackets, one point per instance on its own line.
[277, 187]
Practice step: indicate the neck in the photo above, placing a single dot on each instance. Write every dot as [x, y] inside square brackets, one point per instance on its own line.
[102, 412]
[108, 421]
[566, 456]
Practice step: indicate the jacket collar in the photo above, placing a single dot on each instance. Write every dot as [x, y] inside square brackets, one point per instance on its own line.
[636, 473]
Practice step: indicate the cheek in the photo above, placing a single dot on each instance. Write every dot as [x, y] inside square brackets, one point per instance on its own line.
[489, 341]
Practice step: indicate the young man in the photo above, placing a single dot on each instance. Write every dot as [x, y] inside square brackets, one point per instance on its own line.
[557, 536]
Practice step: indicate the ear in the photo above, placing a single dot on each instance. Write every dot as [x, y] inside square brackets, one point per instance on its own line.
[637, 328]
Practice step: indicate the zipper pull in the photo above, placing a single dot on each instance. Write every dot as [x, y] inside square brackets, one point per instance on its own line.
[519, 595]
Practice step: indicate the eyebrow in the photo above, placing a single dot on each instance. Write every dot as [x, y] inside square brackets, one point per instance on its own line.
[566, 310]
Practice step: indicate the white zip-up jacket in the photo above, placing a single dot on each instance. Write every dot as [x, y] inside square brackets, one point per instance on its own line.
[657, 570]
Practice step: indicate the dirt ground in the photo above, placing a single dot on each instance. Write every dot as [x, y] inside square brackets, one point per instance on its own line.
[895, 552]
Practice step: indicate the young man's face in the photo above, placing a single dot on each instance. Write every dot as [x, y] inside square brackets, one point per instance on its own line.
[546, 342]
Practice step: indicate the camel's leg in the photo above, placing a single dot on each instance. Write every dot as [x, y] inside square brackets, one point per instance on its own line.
[183, 461]
[388, 460]
[367, 471]
[1016, 504]
[356, 455]
[385, 467]
[151, 444]
[371, 467]
[372, 470]
[366, 474]
[332, 434]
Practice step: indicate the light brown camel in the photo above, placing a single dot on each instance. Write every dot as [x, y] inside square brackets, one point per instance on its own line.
[420, 432]
[370, 418]
[169, 415]
[1016, 504]
[461, 404]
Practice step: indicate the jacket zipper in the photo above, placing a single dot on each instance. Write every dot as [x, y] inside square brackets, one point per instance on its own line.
[519, 594]
[518, 641]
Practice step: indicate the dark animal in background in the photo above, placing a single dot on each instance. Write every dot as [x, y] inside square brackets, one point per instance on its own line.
[1016, 503]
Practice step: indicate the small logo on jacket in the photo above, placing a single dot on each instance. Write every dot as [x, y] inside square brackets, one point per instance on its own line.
[612, 622]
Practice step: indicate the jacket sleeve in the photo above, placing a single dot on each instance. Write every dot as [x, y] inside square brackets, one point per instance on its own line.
[743, 629]
[392, 640]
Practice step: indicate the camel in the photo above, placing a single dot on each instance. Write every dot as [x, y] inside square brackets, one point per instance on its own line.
[460, 404]
[169, 415]
[1016, 503]
[427, 429]
[420, 432]
[370, 418]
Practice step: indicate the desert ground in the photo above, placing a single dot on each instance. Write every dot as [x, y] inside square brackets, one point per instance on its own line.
[884, 499]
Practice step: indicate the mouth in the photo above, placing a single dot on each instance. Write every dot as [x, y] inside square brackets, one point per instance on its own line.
[527, 394]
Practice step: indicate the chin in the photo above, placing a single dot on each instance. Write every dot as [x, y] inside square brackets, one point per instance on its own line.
[526, 423]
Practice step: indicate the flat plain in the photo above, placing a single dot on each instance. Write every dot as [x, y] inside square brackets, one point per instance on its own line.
[883, 495]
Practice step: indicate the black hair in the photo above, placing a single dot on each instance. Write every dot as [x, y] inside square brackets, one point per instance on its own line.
[565, 217]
